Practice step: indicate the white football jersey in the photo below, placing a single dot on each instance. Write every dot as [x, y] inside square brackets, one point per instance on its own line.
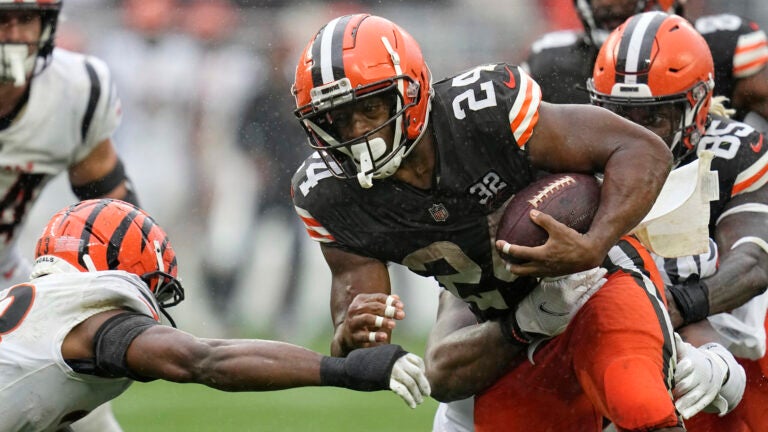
[72, 107]
[38, 390]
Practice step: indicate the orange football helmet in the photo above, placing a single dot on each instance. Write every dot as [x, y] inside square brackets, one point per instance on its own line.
[107, 234]
[656, 59]
[601, 18]
[351, 58]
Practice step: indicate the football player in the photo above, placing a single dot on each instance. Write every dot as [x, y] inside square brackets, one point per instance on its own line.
[672, 96]
[416, 173]
[58, 110]
[87, 325]
[562, 61]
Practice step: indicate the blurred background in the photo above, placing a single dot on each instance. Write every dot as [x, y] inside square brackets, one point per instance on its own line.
[209, 140]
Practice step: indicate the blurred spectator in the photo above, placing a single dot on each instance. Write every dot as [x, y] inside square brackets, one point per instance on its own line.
[155, 66]
[270, 138]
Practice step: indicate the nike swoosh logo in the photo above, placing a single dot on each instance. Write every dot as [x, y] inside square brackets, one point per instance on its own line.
[758, 145]
[511, 83]
[543, 308]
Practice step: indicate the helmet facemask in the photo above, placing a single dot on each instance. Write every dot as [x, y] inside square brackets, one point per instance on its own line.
[689, 112]
[365, 157]
[20, 60]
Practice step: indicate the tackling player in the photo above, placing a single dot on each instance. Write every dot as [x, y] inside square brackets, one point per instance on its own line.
[58, 110]
[416, 173]
[87, 325]
[672, 97]
[562, 61]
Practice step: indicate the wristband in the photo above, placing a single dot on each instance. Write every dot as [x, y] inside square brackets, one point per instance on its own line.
[692, 299]
[364, 369]
[511, 331]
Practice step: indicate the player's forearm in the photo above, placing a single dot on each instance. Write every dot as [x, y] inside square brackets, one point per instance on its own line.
[469, 361]
[741, 275]
[622, 204]
[258, 365]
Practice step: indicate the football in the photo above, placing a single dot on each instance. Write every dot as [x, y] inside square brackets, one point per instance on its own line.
[572, 199]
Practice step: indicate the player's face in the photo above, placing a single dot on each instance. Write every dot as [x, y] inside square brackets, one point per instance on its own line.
[354, 120]
[663, 120]
[20, 27]
[609, 14]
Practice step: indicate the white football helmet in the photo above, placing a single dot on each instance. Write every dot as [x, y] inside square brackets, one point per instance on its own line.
[18, 60]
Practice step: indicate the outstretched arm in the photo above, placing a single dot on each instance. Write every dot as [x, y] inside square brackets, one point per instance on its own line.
[127, 344]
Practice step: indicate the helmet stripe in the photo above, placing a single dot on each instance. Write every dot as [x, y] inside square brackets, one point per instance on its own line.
[327, 52]
[634, 56]
[116, 240]
[88, 230]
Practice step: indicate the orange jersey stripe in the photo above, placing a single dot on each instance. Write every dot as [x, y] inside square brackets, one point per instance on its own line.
[753, 64]
[744, 48]
[739, 187]
[524, 114]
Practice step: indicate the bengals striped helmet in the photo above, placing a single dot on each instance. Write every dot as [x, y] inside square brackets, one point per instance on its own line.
[657, 62]
[107, 234]
[352, 58]
[16, 61]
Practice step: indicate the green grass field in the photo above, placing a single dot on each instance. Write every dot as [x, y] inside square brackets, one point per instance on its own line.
[168, 407]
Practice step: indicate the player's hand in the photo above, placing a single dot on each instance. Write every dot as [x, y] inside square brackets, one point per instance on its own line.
[707, 378]
[409, 381]
[566, 251]
[549, 308]
[383, 367]
[370, 319]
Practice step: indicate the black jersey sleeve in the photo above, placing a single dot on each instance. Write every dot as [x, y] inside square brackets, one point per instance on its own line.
[561, 62]
[739, 48]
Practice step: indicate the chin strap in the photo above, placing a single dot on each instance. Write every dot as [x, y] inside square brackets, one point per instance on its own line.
[362, 152]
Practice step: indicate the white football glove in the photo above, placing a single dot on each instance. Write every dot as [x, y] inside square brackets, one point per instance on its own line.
[699, 379]
[548, 309]
[409, 381]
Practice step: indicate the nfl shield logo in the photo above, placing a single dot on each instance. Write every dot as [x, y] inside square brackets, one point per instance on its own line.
[439, 212]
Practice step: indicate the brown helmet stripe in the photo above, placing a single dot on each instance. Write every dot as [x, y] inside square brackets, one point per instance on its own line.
[634, 57]
[327, 52]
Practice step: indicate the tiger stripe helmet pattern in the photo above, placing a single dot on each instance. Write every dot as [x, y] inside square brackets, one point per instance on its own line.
[107, 234]
[350, 58]
[654, 59]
